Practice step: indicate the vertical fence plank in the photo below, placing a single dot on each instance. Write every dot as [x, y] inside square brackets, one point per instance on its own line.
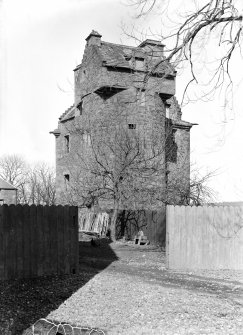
[19, 241]
[60, 242]
[171, 228]
[26, 241]
[52, 224]
[193, 249]
[168, 232]
[40, 240]
[207, 237]
[208, 218]
[11, 243]
[73, 240]
[6, 228]
[33, 241]
[188, 227]
[45, 240]
[37, 240]
[5, 239]
[66, 239]
[2, 245]
[50, 256]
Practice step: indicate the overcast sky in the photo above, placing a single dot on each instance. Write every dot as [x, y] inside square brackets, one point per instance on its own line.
[43, 41]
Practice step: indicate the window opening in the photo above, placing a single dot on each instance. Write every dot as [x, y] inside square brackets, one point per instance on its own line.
[87, 138]
[167, 110]
[67, 144]
[66, 180]
[66, 176]
[139, 63]
[141, 97]
[80, 108]
[132, 126]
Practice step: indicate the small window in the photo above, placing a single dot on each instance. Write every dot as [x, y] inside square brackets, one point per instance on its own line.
[67, 144]
[139, 63]
[66, 180]
[80, 108]
[66, 177]
[141, 97]
[87, 138]
[132, 126]
[167, 110]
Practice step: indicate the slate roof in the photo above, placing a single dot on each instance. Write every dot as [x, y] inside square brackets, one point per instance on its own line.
[183, 124]
[118, 55]
[6, 186]
[68, 114]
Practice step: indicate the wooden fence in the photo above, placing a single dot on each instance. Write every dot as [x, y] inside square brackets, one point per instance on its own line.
[205, 237]
[38, 240]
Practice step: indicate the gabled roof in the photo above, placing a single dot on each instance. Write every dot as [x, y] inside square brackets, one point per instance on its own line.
[6, 186]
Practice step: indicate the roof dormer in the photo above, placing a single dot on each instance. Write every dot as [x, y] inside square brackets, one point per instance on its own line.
[153, 48]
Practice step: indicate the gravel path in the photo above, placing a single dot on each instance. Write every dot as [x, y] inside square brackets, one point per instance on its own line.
[136, 295]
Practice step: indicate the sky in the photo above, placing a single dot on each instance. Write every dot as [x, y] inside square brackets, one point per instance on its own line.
[43, 41]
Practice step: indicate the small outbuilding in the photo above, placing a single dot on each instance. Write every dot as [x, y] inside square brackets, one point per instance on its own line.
[8, 193]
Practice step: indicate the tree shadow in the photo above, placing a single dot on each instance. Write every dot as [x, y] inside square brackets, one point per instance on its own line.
[24, 301]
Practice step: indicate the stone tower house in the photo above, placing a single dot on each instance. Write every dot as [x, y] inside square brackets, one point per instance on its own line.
[124, 96]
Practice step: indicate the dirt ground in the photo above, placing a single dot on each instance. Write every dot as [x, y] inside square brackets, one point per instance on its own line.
[135, 294]
[125, 289]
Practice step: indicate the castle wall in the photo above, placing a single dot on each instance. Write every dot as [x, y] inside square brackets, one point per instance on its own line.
[113, 100]
[101, 117]
[91, 74]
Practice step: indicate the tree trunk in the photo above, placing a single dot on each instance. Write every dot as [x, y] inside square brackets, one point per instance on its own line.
[113, 220]
[123, 223]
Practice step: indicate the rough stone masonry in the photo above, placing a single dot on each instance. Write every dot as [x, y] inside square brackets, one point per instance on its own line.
[119, 88]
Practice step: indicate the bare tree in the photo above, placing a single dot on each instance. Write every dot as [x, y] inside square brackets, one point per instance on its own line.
[35, 184]
[14, 169]
[177, 193]
[41, 185]
[121, 167]
[128, 169]
[198, 192]
[192, 31]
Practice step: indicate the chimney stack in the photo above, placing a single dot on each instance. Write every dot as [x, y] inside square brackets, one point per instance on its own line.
[94, 38]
